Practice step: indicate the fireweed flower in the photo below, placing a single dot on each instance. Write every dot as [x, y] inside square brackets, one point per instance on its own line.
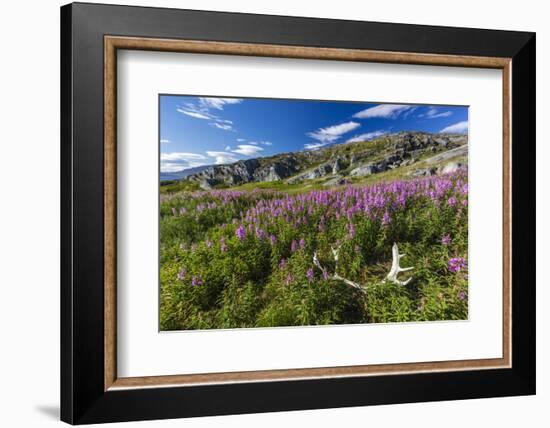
[182, 274]
[282, 263]
[451, 201]
[386, 219]
[260, 234]
[456, 264]
[196, 281]
[309, 274]
[302, 243]
[461, 295]
[446, 239]
[325, 274]
[293, 246]
[289, 279]
[240, 232]
[351, 230]
[273, 239]
[209, 244]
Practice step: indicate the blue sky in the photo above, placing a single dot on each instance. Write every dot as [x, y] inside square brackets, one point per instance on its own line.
[197, 131]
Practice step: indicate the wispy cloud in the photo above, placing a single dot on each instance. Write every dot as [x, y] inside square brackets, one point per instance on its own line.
[365, 137]
[457, 128]
[202, 110]
[227, 148]
[248, 150]
[223, 126]
[164, 141]
[177, 161]
[313, 146]
[221, 157]
[241, 140]
[386, 111]
[434, 113]
[258, 143]
[195, 114]
[218, 103]
[181, 156]
[331, 133]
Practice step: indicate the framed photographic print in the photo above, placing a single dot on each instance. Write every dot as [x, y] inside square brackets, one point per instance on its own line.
[266, 213]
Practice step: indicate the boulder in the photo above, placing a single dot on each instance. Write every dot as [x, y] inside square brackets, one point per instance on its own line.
[424, 172]
[336, 181]
[364, 170]
[451, 167]
[337, 166]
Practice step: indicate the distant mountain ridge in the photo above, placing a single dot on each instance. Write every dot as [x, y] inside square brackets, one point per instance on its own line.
[178, 175]
[335, 162]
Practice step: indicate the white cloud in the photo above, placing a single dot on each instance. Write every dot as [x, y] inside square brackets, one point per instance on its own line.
[248, 150]
[387, 111]
[223, 126]
[195, 114]
[221, 157]
[241, 140]
[227, 148]
[218, 103]
[332, 133]
[171, 167]
[164, 141]
[313, 146]
[259, 143]
[201, 110]
[365, 137]
[177, 161]
[434, 113]
[457, 128]
[180, 156]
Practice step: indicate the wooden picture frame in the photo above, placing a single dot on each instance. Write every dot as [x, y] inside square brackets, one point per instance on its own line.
[91, 390]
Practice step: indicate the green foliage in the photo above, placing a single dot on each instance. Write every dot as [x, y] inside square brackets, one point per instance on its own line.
[213, 276]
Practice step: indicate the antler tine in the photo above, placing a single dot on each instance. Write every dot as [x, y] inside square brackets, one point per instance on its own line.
[335, 275]
[395, 268]
[316, 261]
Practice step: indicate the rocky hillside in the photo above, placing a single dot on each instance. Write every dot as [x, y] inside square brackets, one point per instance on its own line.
[417, 153]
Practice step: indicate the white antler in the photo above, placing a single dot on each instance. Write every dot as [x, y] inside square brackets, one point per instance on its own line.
[396, 269]
[335, 275]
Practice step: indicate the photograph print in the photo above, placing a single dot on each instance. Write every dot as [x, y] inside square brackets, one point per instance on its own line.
[284, 212]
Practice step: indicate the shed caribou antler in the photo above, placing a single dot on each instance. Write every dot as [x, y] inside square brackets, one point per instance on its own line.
[392, 275]
[395, 268]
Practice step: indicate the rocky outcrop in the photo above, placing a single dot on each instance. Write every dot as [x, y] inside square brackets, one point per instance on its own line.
[338, 165]
[364, 170]
[277, 170]
[337, 161]
[246, 171]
